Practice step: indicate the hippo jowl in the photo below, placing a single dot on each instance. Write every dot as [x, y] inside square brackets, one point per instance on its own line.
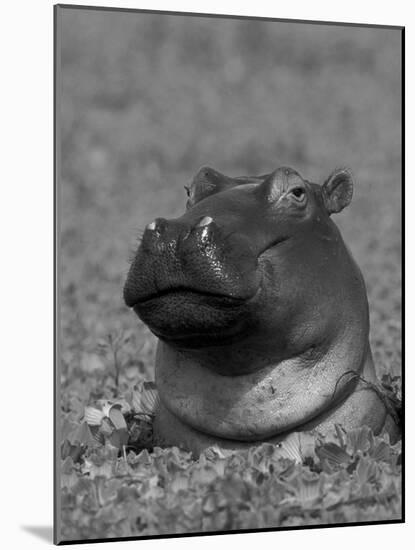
[261, 313]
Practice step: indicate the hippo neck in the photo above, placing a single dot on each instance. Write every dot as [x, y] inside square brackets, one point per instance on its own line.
[279, 397]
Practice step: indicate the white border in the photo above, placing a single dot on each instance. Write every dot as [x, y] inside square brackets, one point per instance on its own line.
[26, 230]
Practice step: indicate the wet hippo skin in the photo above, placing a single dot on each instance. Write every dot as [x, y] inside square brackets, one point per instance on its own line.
[261, 313]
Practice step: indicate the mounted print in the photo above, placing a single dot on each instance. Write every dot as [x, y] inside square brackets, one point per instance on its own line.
[228, 274]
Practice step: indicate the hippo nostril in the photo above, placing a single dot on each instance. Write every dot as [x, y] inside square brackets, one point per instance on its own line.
[205, 221]
[157, 226]
[151, 226]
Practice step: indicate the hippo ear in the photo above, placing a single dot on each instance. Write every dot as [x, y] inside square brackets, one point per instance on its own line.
[207, 182]
[338, 190]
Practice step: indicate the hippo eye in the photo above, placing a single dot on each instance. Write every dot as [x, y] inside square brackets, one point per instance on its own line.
[299, 193]
[187, 190]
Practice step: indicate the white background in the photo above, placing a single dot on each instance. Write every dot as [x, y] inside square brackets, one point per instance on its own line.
[27, 260]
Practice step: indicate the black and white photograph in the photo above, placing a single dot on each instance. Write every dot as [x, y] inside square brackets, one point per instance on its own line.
[228, 288]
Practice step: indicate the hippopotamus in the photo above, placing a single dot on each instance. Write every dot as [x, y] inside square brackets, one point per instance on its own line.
[260, 311]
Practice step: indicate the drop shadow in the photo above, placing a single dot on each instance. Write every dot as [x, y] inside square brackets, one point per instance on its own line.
[44, 532]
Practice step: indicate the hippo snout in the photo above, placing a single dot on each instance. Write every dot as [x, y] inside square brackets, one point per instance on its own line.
[190, 276]
[177, 239]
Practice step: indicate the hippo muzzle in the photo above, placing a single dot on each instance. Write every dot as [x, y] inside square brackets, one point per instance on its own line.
[191, 280]
[260, 310]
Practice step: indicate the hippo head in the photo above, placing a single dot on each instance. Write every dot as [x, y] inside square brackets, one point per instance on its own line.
[255, 262]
